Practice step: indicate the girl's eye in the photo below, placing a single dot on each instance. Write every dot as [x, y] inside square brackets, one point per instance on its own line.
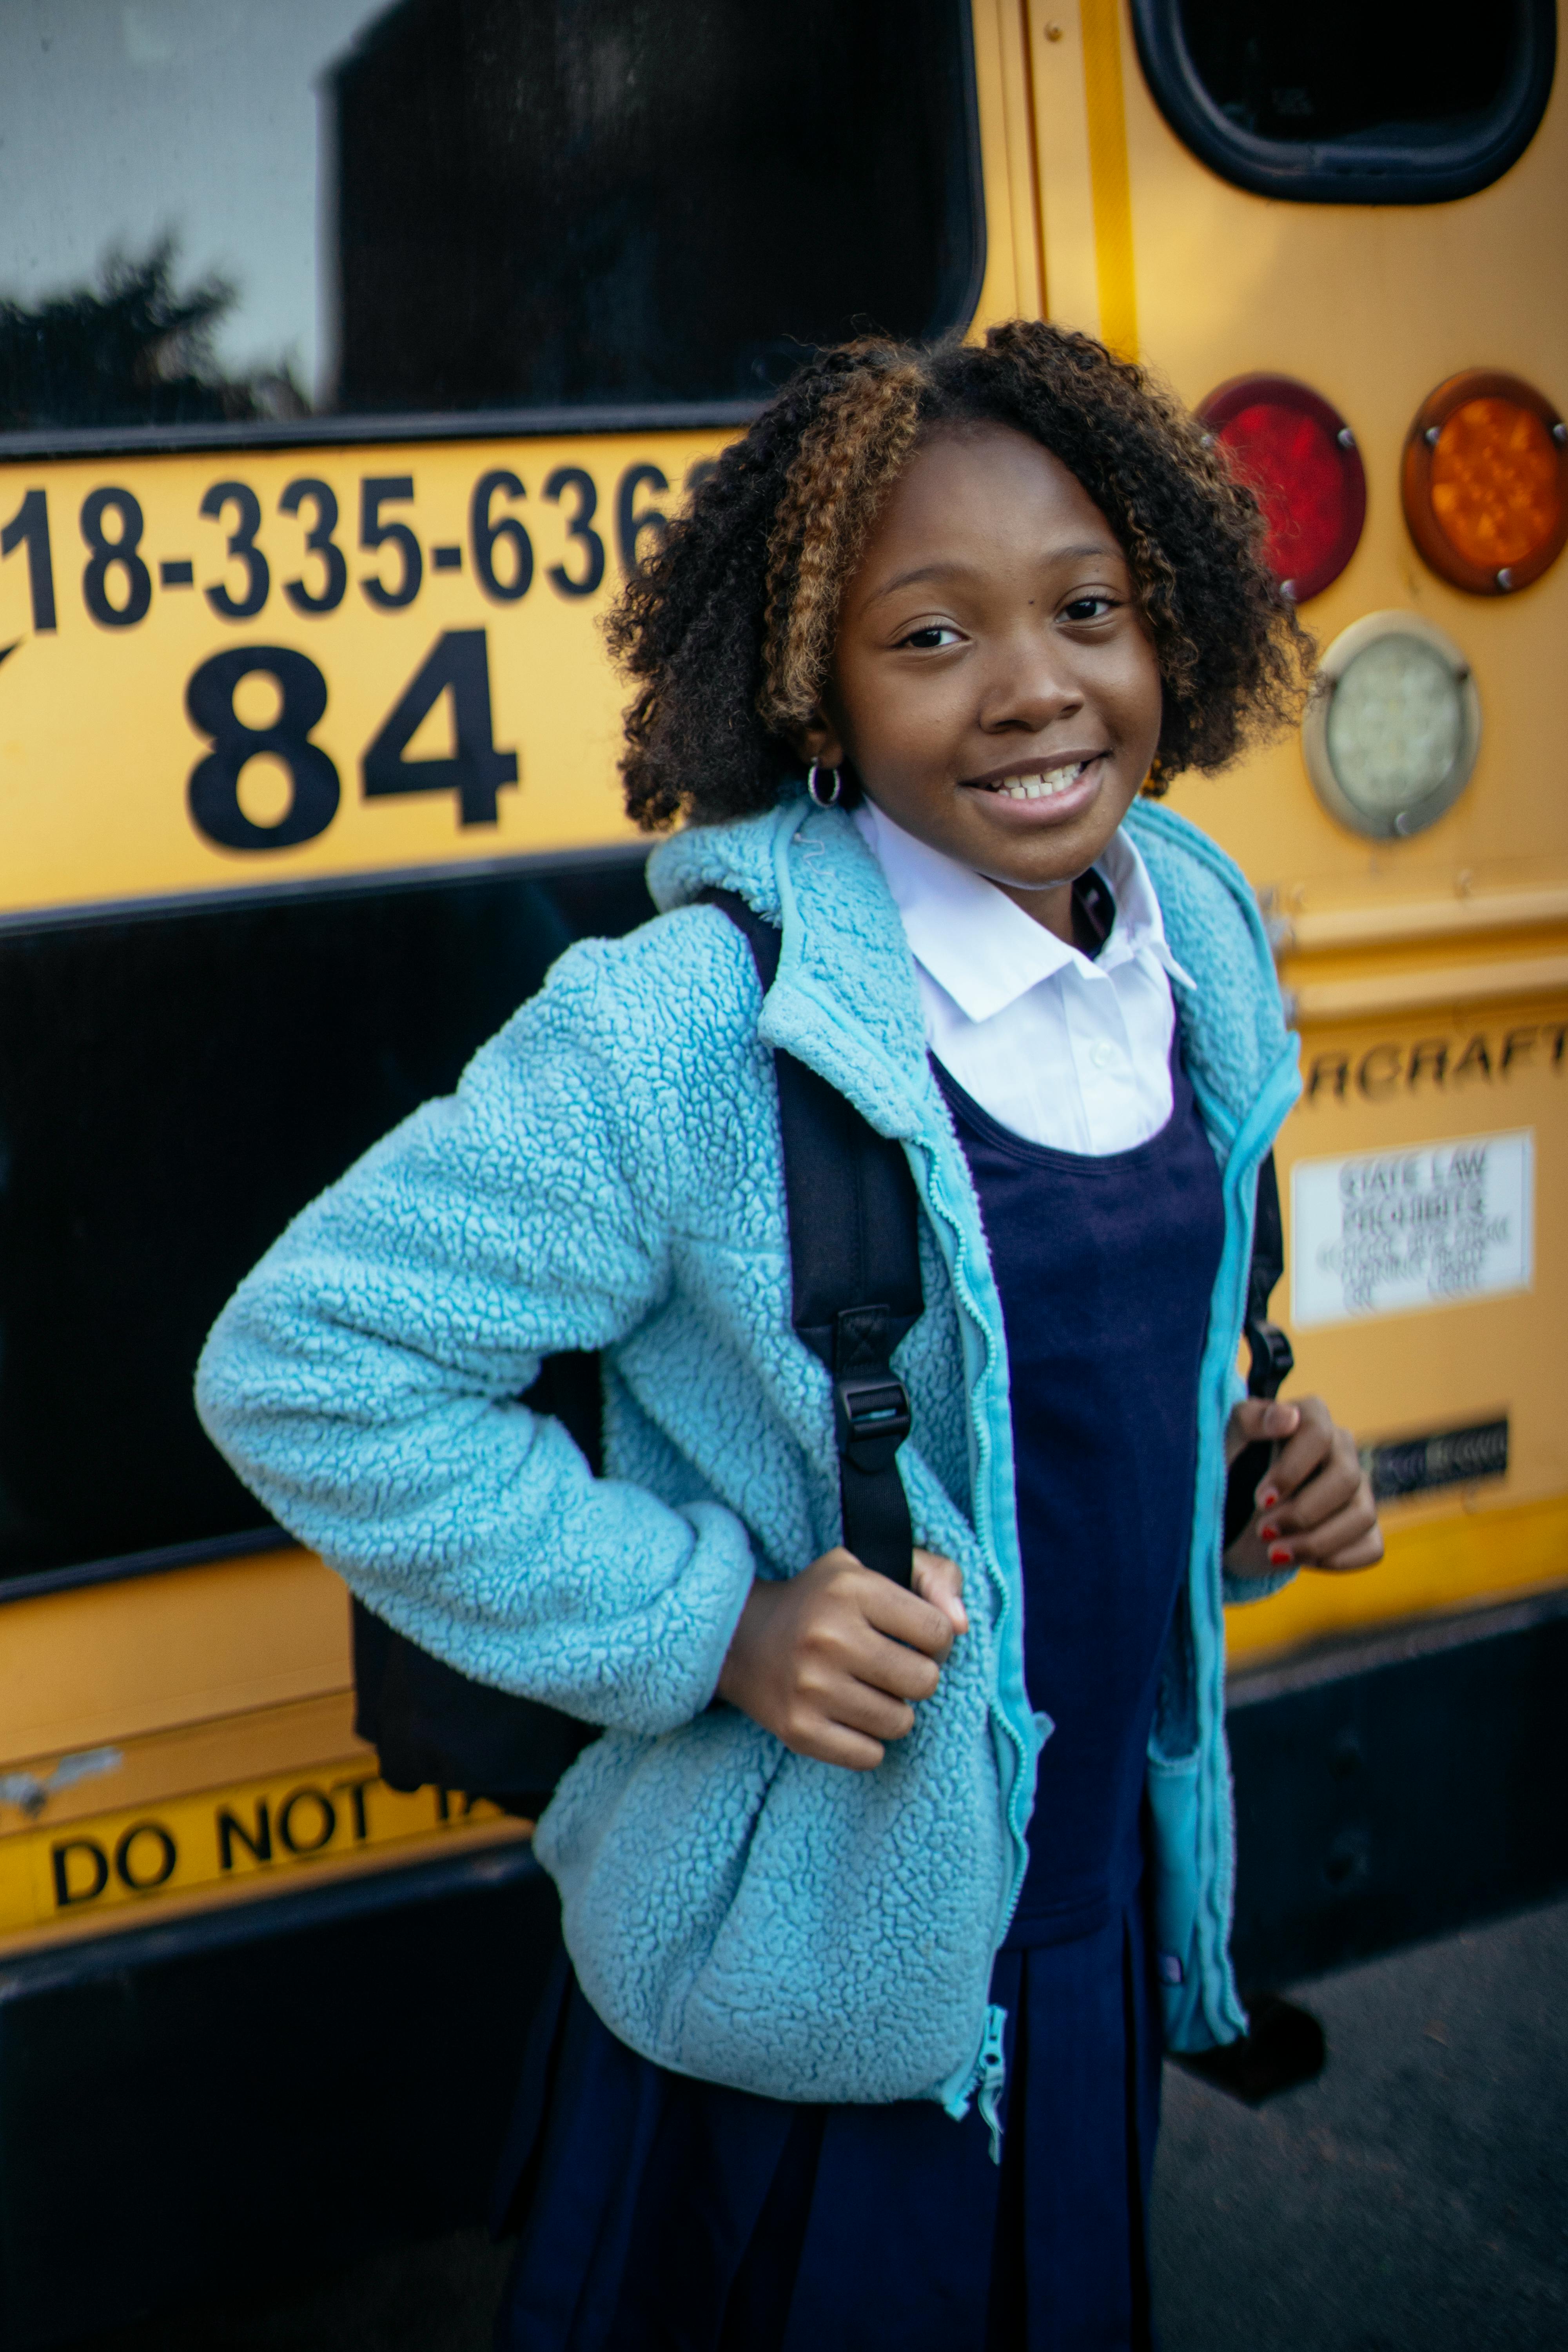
[1090, 607]
[931, 638]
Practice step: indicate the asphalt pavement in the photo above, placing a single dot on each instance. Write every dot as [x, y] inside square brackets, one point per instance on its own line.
[1412, 2198]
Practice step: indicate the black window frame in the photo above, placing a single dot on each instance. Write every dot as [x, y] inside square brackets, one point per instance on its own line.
[1345, 171]
[372, 429]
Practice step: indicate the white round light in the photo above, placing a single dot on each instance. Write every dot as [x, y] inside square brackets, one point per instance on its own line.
[1392, 733]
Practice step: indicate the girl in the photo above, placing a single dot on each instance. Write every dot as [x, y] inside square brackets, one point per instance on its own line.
[861, 1886]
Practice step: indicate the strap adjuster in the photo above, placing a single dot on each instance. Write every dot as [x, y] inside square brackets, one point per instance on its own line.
[871, 1417]
[1270, 1356]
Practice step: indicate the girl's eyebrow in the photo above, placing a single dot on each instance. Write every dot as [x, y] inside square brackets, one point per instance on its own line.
[941, 570]
[947, 568]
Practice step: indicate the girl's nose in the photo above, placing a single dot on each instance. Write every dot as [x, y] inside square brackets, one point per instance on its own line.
[1029, 690]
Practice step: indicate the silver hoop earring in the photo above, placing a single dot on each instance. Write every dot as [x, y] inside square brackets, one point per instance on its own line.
[828, 799]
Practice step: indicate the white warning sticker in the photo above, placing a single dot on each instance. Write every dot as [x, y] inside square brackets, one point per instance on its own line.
[1387, 1232]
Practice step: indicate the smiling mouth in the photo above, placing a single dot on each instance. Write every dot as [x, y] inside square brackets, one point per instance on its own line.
[1042, 785]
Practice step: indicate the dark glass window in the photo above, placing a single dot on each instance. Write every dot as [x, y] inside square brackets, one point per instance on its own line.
[1351, 102]
[172, 1090]
[255, 211]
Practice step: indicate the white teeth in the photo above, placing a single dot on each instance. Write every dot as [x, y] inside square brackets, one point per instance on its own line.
[1042, 787]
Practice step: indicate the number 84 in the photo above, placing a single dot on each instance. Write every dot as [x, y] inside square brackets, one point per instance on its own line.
[458, 664]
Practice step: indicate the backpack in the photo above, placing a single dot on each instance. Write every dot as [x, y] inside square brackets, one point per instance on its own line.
[853, 1220]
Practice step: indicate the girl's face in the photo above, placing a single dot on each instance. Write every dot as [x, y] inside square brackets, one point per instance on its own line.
[993, 683]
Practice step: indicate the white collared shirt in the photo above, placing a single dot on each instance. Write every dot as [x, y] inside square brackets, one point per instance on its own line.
[1065, 1049]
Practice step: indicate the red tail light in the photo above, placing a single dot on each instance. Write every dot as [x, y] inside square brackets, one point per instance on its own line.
[1299, 456]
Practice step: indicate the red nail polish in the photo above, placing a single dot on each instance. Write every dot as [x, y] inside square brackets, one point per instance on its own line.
[1266, 1500]
[1268, 1535]
[1281, 1555]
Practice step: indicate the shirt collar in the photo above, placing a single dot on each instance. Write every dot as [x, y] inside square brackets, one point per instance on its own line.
[980, 946]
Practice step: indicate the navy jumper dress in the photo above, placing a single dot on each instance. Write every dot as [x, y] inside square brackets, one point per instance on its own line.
[659, 2211]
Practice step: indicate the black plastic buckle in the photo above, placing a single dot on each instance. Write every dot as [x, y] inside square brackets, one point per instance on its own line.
[1270, 1356]
[871, 1417]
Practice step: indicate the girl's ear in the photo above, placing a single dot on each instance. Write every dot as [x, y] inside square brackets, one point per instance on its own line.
[819, 739]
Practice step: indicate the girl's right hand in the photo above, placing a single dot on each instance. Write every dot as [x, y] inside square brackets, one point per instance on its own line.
[832, 1661]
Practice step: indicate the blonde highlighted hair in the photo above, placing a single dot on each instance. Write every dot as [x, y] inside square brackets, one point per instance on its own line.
[728, 631]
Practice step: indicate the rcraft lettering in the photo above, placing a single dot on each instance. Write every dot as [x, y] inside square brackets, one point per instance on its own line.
[1453, 1064]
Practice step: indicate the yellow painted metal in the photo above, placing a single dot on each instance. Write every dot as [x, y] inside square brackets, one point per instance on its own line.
[1013, 285]
[1475, 1063]
[227, 1685]
[111, 1662]
[1397, 951]
[256, 1743]
[76, 1869]
[207, 1677]
[1060, 113]
[1415, 989]
[1440, 1562]
[1115, 280]
[187, 1696]
[97, 746]
[1381, 1087]
[1374, 306]
[1077, 103]
[1387, 919]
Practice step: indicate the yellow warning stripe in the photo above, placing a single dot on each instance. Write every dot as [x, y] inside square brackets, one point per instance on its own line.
[258, 1834]
[1109, 181]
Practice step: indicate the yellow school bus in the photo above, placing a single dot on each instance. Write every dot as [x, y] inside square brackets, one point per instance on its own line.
[348, 355]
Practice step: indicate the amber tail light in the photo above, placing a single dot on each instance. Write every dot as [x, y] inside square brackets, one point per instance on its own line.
[1485, 482]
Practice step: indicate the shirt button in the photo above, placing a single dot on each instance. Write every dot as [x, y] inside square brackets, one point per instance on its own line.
[1104, 1057]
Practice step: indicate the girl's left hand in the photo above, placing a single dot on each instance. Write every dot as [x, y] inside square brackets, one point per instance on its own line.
[1314, 1504]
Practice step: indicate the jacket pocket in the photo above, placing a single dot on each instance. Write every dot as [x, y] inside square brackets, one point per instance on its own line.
[1173, 1789]
[757, 1918]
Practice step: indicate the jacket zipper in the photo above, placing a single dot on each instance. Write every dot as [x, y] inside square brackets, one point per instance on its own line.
[991, 2073]
[988, 2075]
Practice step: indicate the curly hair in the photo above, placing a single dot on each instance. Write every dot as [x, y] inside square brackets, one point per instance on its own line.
[729, 630]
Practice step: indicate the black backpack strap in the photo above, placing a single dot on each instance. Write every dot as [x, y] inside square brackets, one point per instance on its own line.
[854, 1242]
[1267, 1348]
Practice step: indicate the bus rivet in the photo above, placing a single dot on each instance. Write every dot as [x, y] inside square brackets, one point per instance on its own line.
[1053, 32]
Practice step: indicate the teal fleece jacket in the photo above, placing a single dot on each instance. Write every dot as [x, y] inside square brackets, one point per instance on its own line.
[608, 1176]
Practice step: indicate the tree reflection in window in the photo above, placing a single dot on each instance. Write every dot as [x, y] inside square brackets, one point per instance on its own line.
[135, 349]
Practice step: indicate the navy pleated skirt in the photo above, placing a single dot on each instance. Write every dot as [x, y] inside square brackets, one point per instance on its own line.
[659, 2211]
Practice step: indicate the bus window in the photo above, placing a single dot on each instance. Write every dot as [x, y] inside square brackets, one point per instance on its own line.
[175, 1089]
[306, 208]
[1351, 102]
